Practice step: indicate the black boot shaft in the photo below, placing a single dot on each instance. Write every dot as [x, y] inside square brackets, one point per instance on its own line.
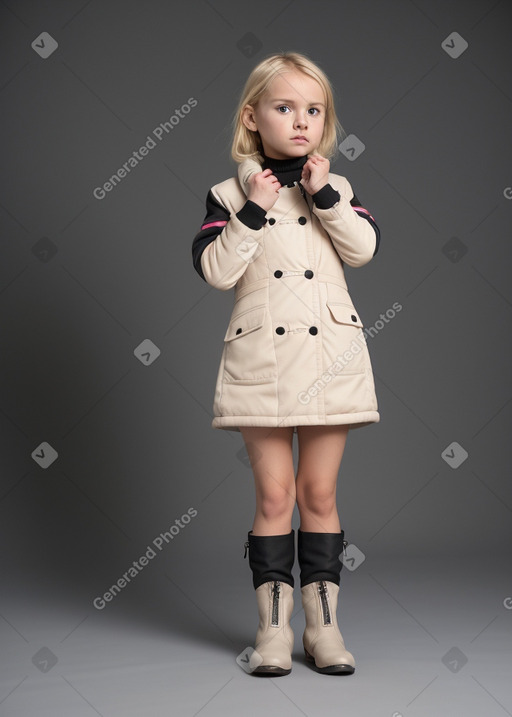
[318, 555]
[271, 557]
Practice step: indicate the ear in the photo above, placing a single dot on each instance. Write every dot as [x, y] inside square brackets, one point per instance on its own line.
[248, 119]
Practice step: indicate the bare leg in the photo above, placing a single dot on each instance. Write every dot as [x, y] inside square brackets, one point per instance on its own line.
[320, 453]
[271, 457]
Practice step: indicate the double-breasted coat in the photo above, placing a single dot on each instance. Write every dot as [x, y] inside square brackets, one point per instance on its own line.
[294, 350]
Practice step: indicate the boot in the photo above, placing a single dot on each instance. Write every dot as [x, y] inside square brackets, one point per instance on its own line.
[319, 579]
[271, 559]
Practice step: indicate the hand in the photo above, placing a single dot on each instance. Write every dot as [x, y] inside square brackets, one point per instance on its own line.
[315, 173]
[263, 189]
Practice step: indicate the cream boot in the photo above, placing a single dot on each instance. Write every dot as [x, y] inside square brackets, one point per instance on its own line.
[322, 639]
[274, 637]
[271, 559]
[323, 643]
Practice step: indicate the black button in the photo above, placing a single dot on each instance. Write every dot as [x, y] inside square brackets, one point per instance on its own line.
[278, 273]
[292, 184]
[239, 331]
[313, 330]
[354, 318]
[308, 274]
[271, 220]
[302, 220]
[280, 330]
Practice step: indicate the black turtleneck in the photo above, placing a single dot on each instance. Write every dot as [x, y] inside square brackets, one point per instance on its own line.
[287, 171]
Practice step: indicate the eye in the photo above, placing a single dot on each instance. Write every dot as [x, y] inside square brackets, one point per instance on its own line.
[315, 109]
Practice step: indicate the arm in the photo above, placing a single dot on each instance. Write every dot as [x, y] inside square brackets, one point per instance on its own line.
[226, 242]
[352, 229]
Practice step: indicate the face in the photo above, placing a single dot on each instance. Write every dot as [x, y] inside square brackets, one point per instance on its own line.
[294, 104]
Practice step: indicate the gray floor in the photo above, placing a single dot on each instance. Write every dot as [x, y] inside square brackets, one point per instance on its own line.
[162, 648]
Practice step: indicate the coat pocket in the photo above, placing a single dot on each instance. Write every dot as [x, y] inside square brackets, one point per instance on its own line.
[345, 314]
[249, 355]
[345, 344]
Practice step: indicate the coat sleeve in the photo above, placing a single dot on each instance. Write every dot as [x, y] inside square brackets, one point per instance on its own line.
[352, 229]
[227, 242]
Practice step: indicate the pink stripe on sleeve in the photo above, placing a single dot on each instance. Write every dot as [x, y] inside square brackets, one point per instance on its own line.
[213, 224]
[362, 209]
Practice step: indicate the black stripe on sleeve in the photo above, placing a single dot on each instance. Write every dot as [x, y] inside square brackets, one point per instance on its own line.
[215, 212]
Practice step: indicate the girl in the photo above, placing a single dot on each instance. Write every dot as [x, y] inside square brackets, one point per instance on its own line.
[295, 357]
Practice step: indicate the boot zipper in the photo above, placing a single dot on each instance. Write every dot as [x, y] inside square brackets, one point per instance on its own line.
[276, 589]
[345, 543]
[322, 589]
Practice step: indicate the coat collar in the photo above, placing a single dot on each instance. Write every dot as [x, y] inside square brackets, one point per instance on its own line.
[245, 169]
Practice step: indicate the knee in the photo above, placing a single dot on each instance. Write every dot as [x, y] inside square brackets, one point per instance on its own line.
[316, 499]
[277, 503]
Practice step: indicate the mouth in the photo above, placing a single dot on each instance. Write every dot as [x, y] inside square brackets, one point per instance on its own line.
[300, 138]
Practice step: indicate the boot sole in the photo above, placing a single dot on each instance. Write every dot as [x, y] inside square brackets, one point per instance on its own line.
[271, 671]
[330, 669]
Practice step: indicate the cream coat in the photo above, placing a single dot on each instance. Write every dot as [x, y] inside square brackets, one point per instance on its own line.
[294, 350]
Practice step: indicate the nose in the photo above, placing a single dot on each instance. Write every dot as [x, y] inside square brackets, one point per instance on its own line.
[300, 120]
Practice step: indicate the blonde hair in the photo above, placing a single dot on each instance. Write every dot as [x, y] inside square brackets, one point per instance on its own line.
[247, 143]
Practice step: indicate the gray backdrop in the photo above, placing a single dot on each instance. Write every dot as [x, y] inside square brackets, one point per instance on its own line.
[110, 345]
